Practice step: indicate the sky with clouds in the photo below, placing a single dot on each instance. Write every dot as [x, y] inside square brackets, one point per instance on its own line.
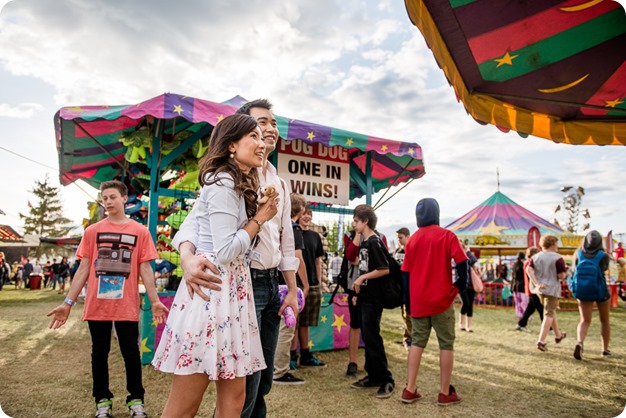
[355, 65]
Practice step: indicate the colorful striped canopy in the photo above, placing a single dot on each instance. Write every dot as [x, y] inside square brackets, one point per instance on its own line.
[551, 68]
[500, 216]
[89, 147]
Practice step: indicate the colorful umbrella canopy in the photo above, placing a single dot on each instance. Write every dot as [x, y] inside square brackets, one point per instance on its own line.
[552, 68]
[500, 216]
[89, 146]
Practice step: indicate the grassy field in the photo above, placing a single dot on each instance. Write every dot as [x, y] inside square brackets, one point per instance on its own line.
[498, 371]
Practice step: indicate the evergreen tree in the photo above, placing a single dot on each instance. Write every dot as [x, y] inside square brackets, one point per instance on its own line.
[45, 218]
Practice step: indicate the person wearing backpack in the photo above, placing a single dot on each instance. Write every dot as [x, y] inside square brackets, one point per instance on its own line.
[588, 285]
[373, 264]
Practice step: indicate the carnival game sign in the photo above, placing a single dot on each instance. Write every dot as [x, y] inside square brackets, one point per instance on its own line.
[320, 173]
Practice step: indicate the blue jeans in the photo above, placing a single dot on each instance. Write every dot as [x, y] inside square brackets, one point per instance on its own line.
[375, 357]
[258, 384]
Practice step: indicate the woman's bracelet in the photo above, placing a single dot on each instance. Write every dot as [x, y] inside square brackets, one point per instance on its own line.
[256, 221]
[69, 301]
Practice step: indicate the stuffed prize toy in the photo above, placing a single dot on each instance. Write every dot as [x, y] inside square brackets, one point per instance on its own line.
[290, 318]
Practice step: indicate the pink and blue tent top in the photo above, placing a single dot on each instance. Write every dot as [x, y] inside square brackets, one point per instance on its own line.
[501, 216]
[87, 139]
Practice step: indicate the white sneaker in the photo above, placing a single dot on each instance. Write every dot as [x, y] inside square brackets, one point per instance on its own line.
[136, 409]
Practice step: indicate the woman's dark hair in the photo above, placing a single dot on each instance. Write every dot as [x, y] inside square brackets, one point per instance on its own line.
[217, 159]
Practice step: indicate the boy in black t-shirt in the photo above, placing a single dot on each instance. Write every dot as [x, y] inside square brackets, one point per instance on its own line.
[309, 317]
[373, 264]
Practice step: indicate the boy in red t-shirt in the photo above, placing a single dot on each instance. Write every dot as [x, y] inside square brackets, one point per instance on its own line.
[115, 252]
[427, 259]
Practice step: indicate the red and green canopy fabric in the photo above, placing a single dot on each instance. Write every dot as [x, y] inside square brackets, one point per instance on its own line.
[89, 147]
[551, 68]
[499, 216]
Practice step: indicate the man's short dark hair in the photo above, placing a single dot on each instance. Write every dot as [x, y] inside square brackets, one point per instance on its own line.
[114, 184]
[366, 213]
[264, 103]
[404, 231]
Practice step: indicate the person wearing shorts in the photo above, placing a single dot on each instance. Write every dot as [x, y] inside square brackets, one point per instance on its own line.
[427, 260]
[545, 271]
[309, 317]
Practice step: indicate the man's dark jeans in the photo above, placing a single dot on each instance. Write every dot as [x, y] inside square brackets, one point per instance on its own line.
[267, 304]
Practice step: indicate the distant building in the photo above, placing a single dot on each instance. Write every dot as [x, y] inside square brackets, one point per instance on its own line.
[14, 245]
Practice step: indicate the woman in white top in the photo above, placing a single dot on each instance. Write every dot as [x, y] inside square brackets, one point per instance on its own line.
[219, 339]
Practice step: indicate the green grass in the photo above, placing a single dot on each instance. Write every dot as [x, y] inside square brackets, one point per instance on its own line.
[498, 371]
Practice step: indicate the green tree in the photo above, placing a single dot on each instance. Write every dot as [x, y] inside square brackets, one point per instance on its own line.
[45, 218]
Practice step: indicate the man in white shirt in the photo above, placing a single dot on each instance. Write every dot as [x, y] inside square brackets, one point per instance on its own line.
[273, 255]
[335, 266]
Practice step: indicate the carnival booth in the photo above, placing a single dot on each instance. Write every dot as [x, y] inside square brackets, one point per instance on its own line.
[154, 146]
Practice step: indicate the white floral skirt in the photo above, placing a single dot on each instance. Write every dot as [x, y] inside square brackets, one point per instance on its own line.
[218, 337]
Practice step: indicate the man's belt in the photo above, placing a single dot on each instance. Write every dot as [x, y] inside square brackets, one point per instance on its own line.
[264, 274]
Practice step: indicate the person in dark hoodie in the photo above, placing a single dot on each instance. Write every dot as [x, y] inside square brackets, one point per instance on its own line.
[592, 246]
[428, 261]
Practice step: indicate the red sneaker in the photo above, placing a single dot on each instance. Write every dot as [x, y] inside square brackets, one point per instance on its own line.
[410, 397]
[452, 398]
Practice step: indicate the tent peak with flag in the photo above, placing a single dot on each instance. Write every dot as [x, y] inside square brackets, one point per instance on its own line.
[499, 223]
[555, 69]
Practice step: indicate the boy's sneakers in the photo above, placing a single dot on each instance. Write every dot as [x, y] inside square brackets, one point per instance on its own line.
[103, 408]
[136, 409]
[452, 398]
[352, 369]
[410, 397]
[311, 362]
[288, 379]
[364, 383]
[521, 328]
[385, 390]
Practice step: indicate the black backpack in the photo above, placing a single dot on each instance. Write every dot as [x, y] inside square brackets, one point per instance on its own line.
[391, 295]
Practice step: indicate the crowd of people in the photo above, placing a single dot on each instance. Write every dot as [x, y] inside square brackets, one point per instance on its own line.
[226, 324]
[50, 274]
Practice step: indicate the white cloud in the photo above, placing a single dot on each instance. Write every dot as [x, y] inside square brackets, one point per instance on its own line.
[347, 63]
[21, 111]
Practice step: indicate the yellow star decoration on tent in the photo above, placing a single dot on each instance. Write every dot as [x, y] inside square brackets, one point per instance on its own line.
[345, 298]
[310, 136]
[506, 59]
[322, 301]
[144, 346]
[220, 117]
[411, 151]
[323, 319]
[178, 109]
[339, 322]
[75, 109]
[349, 141]
[311, 344]
[154, 323]
[614, 103]
[384, 148]
[492, 229]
